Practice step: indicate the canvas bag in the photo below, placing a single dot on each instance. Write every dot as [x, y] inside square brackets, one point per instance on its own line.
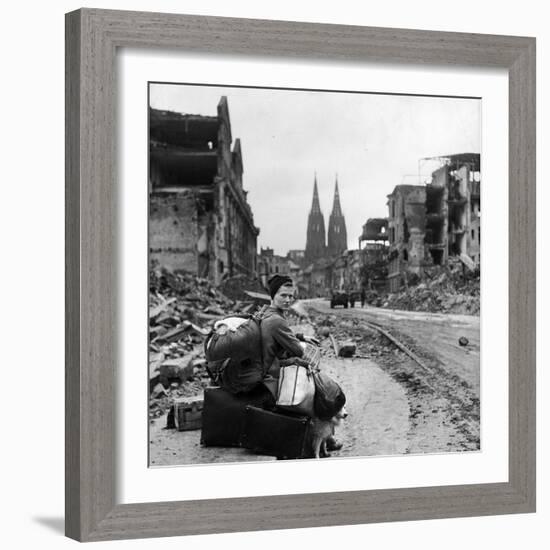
[329, 397]
[296, 389]
[235, 356]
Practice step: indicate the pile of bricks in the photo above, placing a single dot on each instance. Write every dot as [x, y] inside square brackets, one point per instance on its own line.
[182, 311]
[448, 291]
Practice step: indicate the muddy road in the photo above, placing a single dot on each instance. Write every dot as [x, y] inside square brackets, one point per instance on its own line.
[435, 334]
[377, 423]
[442, 384]
[395, 405]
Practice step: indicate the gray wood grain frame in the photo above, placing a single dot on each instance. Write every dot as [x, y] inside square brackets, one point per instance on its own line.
[92, 39]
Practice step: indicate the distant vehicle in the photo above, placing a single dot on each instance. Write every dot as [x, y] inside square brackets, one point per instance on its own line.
[339, 298]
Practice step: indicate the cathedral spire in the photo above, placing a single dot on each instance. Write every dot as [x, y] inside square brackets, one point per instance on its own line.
[336, 208]
[315, 206]
[337, 234]
[315, 240]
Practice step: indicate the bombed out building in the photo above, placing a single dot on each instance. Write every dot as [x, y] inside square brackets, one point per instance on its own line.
[453, 211]
[429, 224]
[270, 264]
[297, 256]
[199, 217]
[406, 226]
[373, 243]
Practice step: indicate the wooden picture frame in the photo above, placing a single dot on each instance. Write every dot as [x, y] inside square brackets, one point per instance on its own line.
[92, 39]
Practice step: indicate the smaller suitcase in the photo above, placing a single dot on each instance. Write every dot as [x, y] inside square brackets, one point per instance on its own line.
[188, 413]
[281, 435]
[223, 415]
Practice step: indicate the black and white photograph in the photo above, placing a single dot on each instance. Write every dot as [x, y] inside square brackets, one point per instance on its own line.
[314, 274]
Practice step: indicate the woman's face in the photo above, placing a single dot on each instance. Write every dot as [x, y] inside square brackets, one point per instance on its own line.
[284, 297]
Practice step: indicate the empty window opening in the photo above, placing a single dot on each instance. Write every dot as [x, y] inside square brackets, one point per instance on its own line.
[437, 256]
[434, 199]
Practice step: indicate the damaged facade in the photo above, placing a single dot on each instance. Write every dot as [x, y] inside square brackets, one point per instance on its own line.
[346, 271]
[314, 280]
[199, 219]
[453, 209]
[270, 263]
[297, 256]
[406, 224]
[373, 244]
[429, 224]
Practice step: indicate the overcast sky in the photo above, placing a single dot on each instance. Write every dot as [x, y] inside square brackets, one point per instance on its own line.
[373, 142]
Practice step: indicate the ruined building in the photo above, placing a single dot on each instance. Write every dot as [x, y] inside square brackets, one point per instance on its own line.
[337, 239]
[375, 231]
[406, 226]
[345, 271]
[373, 244]
[199, 217]
[315, 241]
[428, 225]
[315, 279]
[270, 263]
[297, 256]
[453, 209]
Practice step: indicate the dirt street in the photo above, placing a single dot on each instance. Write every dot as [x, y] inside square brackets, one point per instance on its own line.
[395, 406]
[436, 334]
[443, 392]
[377, 422]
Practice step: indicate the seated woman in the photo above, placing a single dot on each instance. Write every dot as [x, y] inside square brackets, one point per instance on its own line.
[280, 345]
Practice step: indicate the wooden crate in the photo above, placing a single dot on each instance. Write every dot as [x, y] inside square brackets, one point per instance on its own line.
[188, 413]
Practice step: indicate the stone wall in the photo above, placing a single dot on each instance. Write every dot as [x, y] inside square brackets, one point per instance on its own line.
[173, 230]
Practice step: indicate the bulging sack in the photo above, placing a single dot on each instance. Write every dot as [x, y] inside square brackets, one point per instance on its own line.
[234, 354]
[296, 389]
[329, 397]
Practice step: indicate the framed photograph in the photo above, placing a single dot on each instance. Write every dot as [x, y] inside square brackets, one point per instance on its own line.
[278, 313]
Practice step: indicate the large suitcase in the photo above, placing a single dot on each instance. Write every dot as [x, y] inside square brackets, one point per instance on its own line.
[223, 414]
[272, 433]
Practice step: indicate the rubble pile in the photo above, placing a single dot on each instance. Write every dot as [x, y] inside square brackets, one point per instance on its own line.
[234, 287]
[182, 312]
[190, 291]
[442, 291]
[368, 342]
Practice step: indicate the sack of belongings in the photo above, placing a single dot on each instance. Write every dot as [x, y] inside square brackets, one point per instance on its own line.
[234, 353]
[329, 397]
[296, 389]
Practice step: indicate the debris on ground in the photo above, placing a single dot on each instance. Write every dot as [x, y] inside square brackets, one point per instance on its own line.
[235, 288]
[451, 289]
[347, 349]
[182, 311]
[430, 391]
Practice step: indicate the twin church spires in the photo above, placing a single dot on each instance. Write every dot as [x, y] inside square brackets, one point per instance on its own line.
[337, 236]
